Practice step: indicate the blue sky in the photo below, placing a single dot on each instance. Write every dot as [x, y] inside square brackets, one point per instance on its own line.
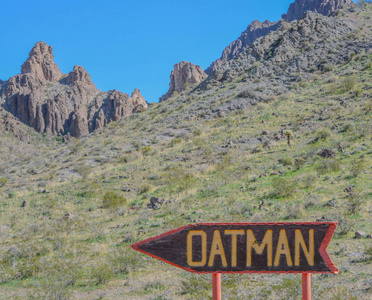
[127, 44]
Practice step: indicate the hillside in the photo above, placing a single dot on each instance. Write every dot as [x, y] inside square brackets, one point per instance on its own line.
[281, 132]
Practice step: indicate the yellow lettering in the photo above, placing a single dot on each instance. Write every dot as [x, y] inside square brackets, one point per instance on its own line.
[299, 241]
[252, 243]
[217, 249]
[234, 244]
[283, 248]
[203, 260]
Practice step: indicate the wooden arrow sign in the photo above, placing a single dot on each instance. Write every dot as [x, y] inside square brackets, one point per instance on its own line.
[245, 247]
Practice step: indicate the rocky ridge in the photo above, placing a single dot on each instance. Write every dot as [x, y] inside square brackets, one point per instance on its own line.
[55, 103]
[183, 74]
[258, 29]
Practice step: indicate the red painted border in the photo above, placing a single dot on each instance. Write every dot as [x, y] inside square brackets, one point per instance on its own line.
[322, 249]
[324, 245]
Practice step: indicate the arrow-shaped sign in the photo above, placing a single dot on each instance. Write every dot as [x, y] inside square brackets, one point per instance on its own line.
[245, 247]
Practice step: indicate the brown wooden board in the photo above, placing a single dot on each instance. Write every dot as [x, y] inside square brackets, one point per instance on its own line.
[245, 247]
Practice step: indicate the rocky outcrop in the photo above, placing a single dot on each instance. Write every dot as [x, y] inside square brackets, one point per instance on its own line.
[183, 74]
[324, 7]
[40, 63]
[114, 106]
[296, 48]
[139, 103]
[257, 29]
[55, 103]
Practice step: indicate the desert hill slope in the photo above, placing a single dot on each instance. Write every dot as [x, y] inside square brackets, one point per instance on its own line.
[282, 132]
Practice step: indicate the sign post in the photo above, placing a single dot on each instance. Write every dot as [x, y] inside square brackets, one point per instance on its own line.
[219, 248]
[216, 284]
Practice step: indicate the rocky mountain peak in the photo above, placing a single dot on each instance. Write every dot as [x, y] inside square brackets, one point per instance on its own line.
[79, 76]
[40, 63]
[258, 29]
[55, 103]
[184, 73]
[324, 7]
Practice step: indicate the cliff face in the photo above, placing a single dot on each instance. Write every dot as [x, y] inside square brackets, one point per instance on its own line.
[55, 103]
[184, 73]
[257, 29]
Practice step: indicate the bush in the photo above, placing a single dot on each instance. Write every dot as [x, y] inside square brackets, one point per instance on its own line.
[299, 163]
[345, 224]
[3, 181]
[146, 150]
[145, 189]
[247, 94]
[355, 202]
[287, 161]
[294, 211]
[102, 272]
[357, 166]
[323, 134]
[113, 200]
[328, 165]
[178, 179]
[349, 83]
[283, 187]
[309, 180]
[175, 141]
[197, 132]
[257, 149]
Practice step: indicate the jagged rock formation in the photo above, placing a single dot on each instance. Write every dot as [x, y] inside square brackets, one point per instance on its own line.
[113, 106]
[139, 103]
[40, 63]
[257, 29]
[324, 7]
[278, 52]
[55, 103]
[184, 73]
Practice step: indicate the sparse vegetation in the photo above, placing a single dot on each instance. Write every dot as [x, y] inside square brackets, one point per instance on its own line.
[70, 211]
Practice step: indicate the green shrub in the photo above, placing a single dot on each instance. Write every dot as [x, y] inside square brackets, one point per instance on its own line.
[83, 170]
[102, 272]
[357, 166]
[294, 211]
[309, 180]
[323, 134]
[284, 187]
[145, 188]
[247, 94]
[349, 83]
[299, 163]
[175, 141]
[178, 179]
[197, 132]
[146, 150]
[358, 92]
[345, 224]
[287, 161]
[3, 181]
[354, 202]
[328, 165]
[257, 149]
[113, 200]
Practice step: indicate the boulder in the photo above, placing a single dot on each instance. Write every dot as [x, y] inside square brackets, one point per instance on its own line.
[360, 234]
